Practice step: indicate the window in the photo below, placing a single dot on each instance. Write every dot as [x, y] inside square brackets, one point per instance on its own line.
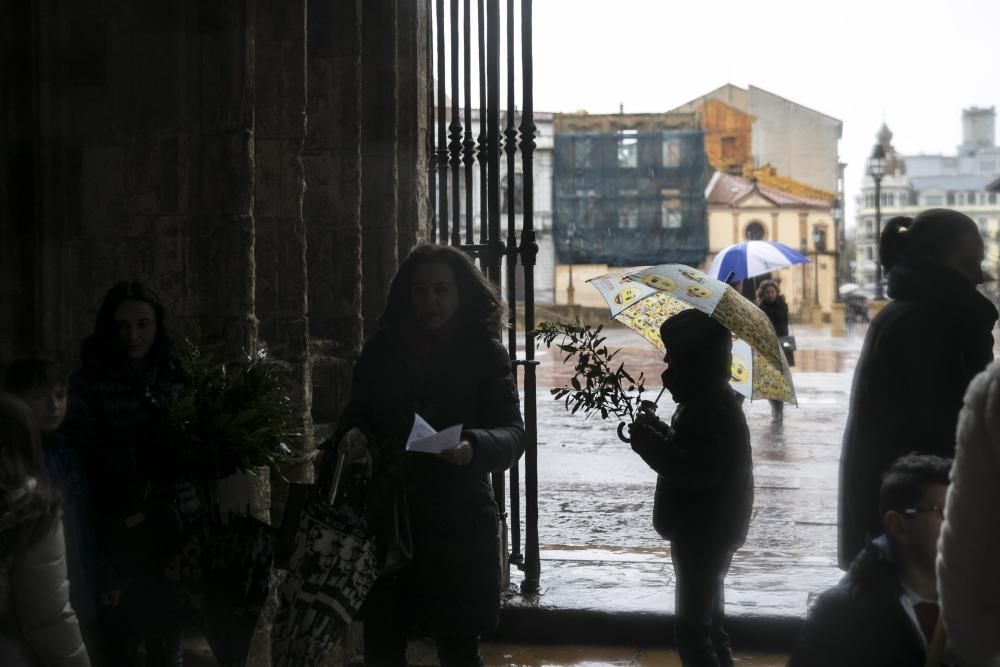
[729, 153]
[628, 149]
[671, 152]
[628, 216]
[671, 216]
[933, 200]
[518, 194]
[950, 199]
[993, 198]
[983, 231]
[972, 198]
[582, 147]
[755, 232]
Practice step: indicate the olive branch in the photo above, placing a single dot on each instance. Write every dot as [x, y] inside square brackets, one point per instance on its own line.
[598, 385]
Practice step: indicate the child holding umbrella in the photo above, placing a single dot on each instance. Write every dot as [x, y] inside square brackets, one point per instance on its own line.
[704, 488]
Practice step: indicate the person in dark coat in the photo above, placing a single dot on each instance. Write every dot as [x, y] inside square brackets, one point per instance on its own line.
[884, 610]
[920, 353]
[772, 302]
[43, 386]
[436, 354]
[704, 487]
[128, 364]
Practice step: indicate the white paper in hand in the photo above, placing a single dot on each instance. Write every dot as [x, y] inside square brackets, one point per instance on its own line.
[423, 437]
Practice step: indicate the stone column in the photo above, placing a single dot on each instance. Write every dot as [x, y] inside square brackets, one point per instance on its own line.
[379, 156]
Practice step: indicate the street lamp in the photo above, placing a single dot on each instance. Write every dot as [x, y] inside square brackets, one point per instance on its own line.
[876, 169]
[819, 245]
[837, 212]
[570, 233]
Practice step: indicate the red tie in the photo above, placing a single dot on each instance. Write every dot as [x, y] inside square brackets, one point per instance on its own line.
[927, 616]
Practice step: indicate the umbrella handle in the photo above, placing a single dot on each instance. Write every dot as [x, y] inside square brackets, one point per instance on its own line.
[621, 433]
[335, 484]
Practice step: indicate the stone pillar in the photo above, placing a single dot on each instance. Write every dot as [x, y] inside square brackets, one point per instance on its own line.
[379, 156]
[412, 195]
[332, 205]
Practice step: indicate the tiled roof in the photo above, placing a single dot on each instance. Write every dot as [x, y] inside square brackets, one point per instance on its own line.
[729, 189]
[921, 183]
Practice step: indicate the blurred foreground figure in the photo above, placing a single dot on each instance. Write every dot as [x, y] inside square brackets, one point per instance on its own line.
[37, 623]
[970, 537]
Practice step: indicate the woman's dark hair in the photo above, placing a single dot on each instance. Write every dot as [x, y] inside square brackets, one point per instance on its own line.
[105, 343]
[929, 237]
[28, 504]
[763, 286]
[27, 373]
[480, 309]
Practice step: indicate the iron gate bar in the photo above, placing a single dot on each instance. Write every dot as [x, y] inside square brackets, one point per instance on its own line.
[483, 139]
[442, 154]
[431, 148]
[529, 249]
[469, 146]
[455, 133]
[510, 147]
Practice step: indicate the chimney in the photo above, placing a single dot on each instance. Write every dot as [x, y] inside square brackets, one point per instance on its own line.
[978, 128]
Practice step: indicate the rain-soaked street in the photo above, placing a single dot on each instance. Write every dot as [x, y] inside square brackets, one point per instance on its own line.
[598, 547]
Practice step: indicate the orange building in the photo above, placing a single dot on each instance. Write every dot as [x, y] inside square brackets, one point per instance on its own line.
[728, 137]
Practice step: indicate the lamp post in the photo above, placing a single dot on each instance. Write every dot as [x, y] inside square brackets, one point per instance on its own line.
[837, 212]
[876, 169]
[570, 233]
[819, 245]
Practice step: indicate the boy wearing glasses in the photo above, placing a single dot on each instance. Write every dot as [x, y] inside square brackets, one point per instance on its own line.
[884, 610]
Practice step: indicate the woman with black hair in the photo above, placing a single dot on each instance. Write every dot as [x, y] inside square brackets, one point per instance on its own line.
[920, 353]
[772, 302]
[437, 354]
[37, 623]
[128, 364]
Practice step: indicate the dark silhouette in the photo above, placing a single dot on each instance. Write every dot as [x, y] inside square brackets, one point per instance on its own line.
[772, 302]
[435, 354]
[37, 623]
[127, 365]
[704, 488]
[919, 355]
[884, 610]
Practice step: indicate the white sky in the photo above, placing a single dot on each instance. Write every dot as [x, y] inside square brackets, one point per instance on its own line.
[913, 63]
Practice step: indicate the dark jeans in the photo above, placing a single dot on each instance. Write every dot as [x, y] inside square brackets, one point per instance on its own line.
[699, 603]
[388, 619]
[149, 615]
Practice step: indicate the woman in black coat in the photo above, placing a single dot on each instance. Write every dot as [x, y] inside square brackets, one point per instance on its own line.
[437, 354]
[772, 302]
[919, 355]
[128, 365]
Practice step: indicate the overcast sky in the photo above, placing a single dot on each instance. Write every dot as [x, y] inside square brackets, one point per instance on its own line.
[913, 63]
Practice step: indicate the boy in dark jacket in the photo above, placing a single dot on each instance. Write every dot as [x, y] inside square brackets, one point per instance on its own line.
[883, 612]
[704, 491]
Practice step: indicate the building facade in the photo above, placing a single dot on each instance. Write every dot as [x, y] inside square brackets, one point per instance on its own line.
[741, 209]
[628, 190]
[914, 183]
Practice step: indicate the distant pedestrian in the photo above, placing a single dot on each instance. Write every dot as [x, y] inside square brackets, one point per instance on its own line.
[436, 354]
[772, 302]
[919, 355]
[970, 536]
[37, 623]
[884, 611]
[704, 487]
[43, 386]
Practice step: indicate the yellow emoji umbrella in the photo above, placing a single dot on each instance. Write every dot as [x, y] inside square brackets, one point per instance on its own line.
[642, 298]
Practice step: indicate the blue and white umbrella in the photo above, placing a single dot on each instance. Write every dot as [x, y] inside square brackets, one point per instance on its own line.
[754, 258]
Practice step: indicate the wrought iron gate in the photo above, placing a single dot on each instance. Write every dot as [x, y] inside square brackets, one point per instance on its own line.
[452, 179]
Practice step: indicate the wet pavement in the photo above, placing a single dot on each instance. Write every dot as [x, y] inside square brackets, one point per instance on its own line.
[598, 547]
